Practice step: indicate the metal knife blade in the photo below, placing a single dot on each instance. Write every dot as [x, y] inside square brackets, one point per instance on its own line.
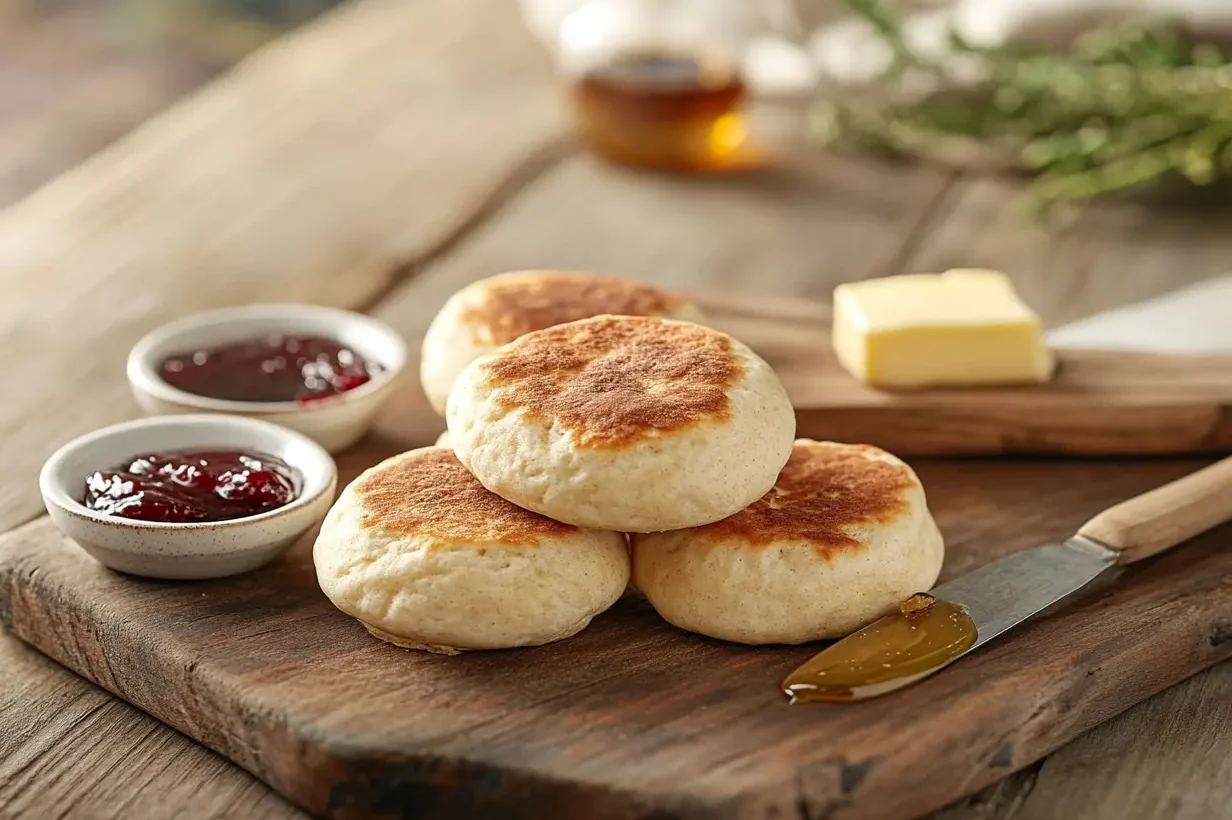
[1007, 592]
[995, 597]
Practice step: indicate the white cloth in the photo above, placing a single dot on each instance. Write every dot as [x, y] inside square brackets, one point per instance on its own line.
[1196, 320]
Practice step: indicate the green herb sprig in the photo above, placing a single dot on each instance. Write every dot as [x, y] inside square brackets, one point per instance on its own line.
[1123, 107]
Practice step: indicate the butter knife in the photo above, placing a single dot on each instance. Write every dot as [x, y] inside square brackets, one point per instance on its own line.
[1007, 592]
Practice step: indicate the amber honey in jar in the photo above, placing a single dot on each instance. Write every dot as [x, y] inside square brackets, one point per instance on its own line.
[673, 84]
[664, 109]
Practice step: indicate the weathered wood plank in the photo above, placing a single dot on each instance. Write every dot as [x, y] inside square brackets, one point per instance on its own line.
[802, 229]
[1108, 254]
[1000, 801]
[795, 230]
[70, 750]
[315, 172]
[1173, 760]
[55, 730]
[1168, 757]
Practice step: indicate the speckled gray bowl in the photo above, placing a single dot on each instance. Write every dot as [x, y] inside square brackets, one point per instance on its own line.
[186, 551]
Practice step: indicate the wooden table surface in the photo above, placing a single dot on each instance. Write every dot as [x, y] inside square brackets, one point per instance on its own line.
[392, 151]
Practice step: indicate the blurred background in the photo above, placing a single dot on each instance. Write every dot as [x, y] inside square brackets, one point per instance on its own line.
[1096, 96]
[76, 74]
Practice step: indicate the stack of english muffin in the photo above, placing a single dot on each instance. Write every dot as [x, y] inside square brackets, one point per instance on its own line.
[599, 432]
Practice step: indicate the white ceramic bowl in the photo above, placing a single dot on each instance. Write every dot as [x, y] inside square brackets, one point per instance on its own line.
[336, 421]
[186, 551]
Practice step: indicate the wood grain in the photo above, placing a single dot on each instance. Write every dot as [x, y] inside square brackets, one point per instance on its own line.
[794, 230]
[1140, 527]
[1171, 757]
[1106, 255]
[1173, 760]
[632, 717]
[1099, 403]
[52, 763]
[299, 177]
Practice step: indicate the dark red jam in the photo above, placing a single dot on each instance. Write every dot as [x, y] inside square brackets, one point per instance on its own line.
[187, 486]
[271, 368]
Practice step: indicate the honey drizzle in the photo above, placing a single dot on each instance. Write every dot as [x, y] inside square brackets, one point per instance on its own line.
[924, 635]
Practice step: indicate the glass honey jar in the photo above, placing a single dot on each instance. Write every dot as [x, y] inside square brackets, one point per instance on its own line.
[666, 83]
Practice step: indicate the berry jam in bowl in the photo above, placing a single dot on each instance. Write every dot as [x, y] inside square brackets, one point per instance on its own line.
[321, 371]
[188, 496]
[187, 486]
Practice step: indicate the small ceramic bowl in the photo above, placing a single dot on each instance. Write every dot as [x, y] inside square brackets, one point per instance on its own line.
[186, 551]
[336, 422]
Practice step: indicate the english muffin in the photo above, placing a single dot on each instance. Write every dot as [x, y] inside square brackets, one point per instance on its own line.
[491, 312]
[623, 423]
[426, 558]
[844, 536]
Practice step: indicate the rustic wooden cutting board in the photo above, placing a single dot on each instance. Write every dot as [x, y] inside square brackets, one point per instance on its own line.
[633, 718]
[1099, 402]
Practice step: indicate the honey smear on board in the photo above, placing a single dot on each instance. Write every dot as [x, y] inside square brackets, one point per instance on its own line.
[924, 635]
[664, 110]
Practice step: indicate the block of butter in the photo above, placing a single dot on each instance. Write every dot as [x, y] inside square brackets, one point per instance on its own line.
[961, 327]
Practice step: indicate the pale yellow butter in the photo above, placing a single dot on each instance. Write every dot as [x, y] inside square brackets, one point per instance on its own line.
[953, 328]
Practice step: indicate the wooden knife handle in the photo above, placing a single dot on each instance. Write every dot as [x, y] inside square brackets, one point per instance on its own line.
[1166, 516]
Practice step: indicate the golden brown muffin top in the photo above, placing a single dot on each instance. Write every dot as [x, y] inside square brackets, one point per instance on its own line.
[612, 381]
[823, 491]
[429, 493]
[512, 306]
